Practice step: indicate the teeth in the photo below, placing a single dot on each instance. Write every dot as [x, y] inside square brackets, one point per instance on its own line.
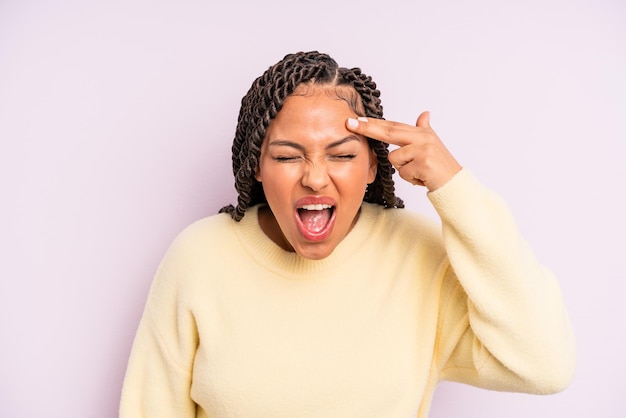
[316, 207]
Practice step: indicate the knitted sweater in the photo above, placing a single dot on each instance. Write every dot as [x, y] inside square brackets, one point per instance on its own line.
[234, 326]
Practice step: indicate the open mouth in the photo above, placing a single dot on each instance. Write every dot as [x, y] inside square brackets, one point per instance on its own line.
[315, 221]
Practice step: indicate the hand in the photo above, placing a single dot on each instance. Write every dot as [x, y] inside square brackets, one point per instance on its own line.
[421, 158]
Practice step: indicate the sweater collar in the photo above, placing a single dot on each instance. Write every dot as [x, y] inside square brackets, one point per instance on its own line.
[289, 264]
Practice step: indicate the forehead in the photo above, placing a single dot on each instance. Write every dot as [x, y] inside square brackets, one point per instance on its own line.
[311, 120]
[318, 109]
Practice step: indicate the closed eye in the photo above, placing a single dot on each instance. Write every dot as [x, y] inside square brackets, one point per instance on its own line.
[343, 157]
[284, 159]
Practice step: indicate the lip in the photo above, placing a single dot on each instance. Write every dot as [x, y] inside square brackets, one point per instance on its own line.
[315, 200]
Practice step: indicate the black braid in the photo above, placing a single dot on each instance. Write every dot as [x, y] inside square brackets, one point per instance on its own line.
[382, 190]
[265, 99]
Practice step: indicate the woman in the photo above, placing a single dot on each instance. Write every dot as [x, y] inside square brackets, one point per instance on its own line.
[318, 296]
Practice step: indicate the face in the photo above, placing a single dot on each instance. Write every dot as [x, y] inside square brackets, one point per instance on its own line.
[314, 174]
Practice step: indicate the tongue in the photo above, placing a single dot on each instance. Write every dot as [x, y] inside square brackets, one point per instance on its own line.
[314, 220]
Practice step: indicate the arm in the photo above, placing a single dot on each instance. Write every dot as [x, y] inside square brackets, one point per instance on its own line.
[159, 373]
[503, 323]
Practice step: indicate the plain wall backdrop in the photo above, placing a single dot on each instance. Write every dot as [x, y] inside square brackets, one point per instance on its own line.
[116, 121]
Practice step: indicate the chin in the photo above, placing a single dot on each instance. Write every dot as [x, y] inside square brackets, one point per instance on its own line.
[315, 252]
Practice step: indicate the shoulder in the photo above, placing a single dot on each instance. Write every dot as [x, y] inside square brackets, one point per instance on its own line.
[207, 227]
[212, 227]
[198, 251]
[202, 238]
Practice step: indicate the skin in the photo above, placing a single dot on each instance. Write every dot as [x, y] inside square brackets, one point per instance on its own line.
[316, 149]
[421, 157]
[308, 153]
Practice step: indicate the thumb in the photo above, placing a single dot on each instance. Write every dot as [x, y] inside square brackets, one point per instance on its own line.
[423, 121]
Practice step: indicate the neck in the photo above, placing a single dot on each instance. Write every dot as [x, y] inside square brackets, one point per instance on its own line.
[270, 227]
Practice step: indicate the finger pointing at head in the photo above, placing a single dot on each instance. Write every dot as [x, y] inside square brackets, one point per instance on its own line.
[421, 157]
[394, 133]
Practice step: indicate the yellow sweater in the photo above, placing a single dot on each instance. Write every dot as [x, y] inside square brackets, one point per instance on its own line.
[236, 327]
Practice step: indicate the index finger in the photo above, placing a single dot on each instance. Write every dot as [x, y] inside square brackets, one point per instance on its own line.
[394, 133]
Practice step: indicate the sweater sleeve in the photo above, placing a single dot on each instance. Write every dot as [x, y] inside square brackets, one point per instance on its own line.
[159, 374]
[503, 323]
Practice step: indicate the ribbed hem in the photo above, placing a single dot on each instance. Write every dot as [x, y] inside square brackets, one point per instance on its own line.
[453, 198]
[291, 265]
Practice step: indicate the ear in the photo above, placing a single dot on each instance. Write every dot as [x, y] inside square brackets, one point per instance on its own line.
[373, 169]
[257, 173]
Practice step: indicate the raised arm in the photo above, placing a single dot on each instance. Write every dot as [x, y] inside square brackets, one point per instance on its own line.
[503, 324]
[512, 329]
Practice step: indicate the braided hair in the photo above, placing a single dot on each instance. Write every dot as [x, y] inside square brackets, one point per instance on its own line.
[265, 99]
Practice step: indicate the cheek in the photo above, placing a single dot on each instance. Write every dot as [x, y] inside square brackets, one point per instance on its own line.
[355, 177]
[278, 179]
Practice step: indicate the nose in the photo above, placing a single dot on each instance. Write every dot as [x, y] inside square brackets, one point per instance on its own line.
[315, 176]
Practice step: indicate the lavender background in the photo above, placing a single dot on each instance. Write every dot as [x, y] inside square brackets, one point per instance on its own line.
[116, 119]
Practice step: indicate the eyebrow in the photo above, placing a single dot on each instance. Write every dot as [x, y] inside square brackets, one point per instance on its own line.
[287, 143]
